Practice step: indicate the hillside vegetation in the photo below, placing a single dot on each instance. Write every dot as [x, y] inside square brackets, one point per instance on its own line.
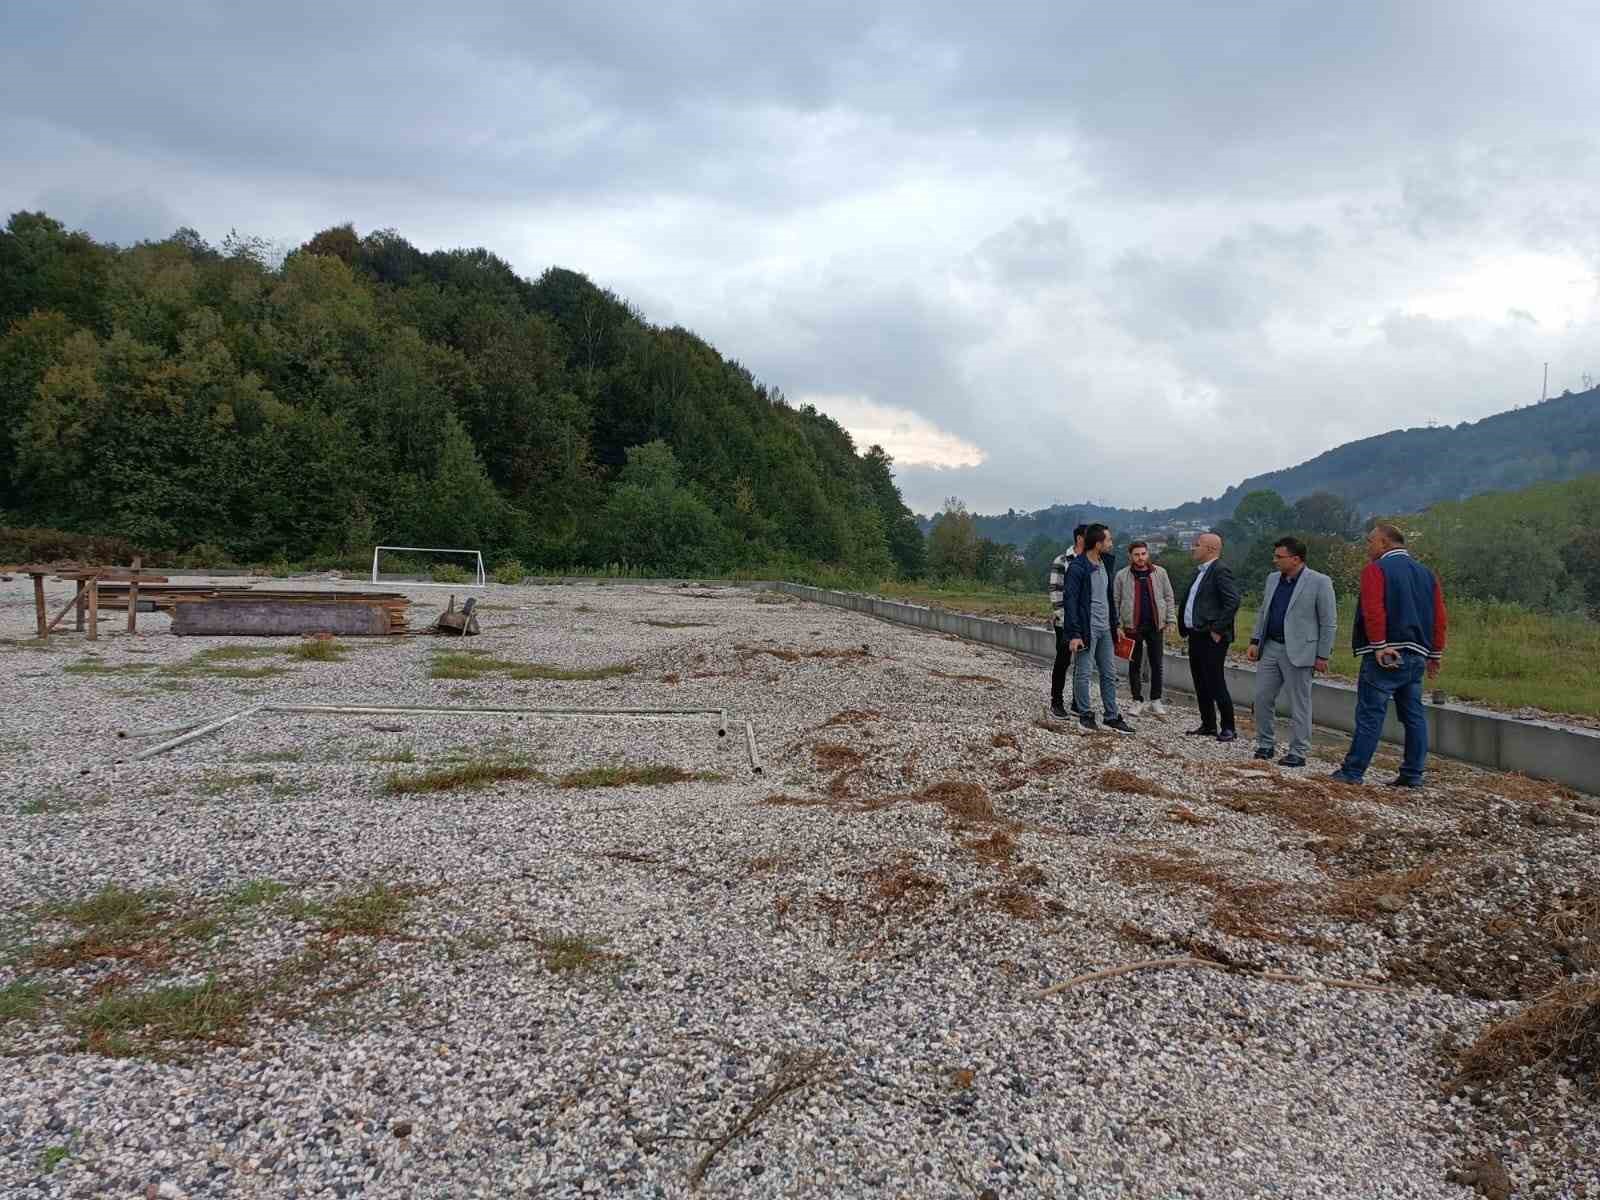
[1404, 470]
[186, 397]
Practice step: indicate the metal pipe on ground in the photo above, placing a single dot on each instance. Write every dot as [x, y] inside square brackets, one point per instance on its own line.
[164, 731]
[478, 710]
[201, 732]
[750, 744]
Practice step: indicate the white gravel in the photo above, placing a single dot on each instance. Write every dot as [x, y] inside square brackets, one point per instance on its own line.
[735, 936]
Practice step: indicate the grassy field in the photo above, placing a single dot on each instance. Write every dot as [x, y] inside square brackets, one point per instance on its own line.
[1499, 654]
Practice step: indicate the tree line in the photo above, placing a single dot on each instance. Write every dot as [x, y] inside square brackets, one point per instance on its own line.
[239, 405]
[1538, 547]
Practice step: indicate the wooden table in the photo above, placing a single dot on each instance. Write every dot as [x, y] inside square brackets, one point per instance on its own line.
[86, 597]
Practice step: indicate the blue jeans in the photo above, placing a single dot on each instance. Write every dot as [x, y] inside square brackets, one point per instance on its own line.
[1374, 689]
[1098, 654]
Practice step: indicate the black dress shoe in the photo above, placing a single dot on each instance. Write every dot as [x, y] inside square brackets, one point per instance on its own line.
[1201, 732]
[1263, 754]
[1291, 760]
[1228, 735]
[1058, 712]
[1398, 782]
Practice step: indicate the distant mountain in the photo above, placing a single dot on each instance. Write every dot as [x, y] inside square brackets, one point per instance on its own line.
[1402, 471]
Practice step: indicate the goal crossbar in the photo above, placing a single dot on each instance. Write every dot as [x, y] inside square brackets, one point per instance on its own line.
[480, 581]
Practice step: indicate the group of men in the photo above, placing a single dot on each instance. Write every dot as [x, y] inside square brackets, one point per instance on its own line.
[1399, 638]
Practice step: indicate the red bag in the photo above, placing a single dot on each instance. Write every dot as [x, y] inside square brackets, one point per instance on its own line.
[1124, 647]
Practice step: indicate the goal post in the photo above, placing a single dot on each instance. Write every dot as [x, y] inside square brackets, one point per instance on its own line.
[480, 578]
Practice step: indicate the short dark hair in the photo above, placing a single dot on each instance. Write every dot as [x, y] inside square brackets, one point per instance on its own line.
[1093, 535]
[1390, 532]
[1079, 532]
[1132, 546]
[1293, 545]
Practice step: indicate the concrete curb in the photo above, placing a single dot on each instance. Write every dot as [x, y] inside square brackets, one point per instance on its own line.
[1544, 749]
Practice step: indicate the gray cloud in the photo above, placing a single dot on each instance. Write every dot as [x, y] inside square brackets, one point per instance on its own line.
[1218, 238]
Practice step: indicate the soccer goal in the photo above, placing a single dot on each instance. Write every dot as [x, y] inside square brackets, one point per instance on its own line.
[470, 561]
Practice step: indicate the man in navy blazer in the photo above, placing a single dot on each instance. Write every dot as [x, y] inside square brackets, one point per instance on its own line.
[1291, 642]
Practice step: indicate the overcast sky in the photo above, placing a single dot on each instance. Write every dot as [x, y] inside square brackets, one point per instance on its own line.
[1041, 252]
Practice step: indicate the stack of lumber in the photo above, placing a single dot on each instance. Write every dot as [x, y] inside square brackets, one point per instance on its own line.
[160, 595]
[269, 612]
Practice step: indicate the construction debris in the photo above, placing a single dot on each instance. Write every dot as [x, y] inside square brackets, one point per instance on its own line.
[458, 624]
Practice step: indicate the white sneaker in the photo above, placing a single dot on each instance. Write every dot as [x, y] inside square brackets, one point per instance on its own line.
[1135, 707]
[1158, 708]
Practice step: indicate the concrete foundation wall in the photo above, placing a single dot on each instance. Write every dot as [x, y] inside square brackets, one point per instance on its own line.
[1565, 754]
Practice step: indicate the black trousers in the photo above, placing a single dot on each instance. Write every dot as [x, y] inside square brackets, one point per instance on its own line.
[1206, 661]
[1063, 665]
[1146, 644]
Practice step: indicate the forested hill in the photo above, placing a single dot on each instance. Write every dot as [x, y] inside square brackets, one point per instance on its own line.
[1405, 470]
[362, 391]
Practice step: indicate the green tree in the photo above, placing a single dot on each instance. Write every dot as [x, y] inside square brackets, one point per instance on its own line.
[953, 542]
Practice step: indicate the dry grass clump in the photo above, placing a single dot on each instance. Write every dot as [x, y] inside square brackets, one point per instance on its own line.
[783, 654]
[1184, 815]
[962, 800]
[1298, 803]
[832, 756]
[1358, 898]
[900, 883]
[1577, 922]
[1561, 1028]
[1002, 741]
[1115, 779]
[1016, 901]
[986, 679]
[998, 847]
[852, 716]
[1527, 790]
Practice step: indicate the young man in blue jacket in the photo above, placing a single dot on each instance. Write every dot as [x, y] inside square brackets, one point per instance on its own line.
[1089, 613]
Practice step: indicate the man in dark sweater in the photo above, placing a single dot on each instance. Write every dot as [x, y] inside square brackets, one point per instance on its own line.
[1399, 638]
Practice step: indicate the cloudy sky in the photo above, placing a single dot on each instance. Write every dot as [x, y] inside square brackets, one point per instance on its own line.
[1040, 251]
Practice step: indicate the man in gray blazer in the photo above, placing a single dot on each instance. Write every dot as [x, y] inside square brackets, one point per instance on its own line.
[1291, 642]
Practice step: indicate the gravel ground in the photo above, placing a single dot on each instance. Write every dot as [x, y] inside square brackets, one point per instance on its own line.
[818, 981]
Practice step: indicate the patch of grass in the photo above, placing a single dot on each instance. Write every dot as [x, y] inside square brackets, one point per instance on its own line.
[375, 911]
[318, 649]
[573, 952]
[255, 893]
[463, 777]
[275, 756]
[647, 776]
[21, 1000]
[51, 1159]
[111, 908]
[123, 1023]
[218, 654]
[92, 667]
[405, 755]
[34, 806]
[222, 784]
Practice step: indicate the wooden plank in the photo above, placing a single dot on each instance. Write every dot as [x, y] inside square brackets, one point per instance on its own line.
[38, 604]
[94, 610]
[68, 607]
[81, 600]
[133, 597]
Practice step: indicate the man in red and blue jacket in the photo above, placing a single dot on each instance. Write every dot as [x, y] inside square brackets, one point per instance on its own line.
[1399, 638]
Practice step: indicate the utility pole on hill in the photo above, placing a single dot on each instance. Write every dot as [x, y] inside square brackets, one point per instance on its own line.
[1544, 392]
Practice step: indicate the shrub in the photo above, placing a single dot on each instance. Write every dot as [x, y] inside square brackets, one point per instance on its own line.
[58, 545]
[509, 572]
[450, 573]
